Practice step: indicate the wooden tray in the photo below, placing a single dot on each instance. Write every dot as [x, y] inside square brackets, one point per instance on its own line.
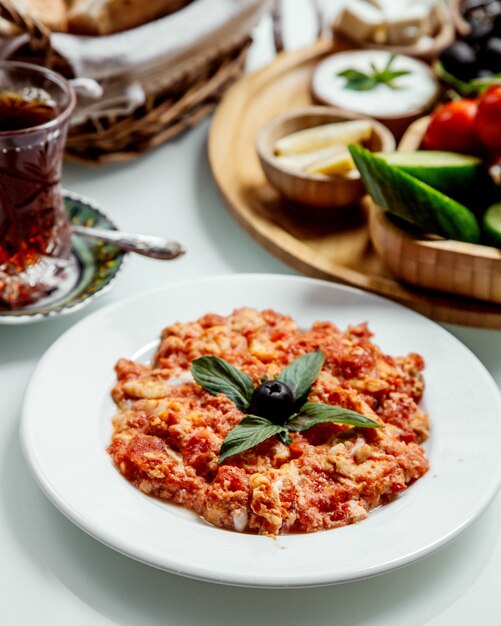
[334, 250]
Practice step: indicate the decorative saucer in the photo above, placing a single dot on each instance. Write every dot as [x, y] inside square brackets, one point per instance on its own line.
[90, 272]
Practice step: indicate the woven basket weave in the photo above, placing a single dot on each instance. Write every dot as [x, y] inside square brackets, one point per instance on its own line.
[187, 100]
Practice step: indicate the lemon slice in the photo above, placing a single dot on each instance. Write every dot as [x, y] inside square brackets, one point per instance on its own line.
[302, 161]
[318, 137]
[338, 163]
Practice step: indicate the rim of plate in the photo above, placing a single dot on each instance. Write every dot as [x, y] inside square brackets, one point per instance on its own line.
[291, 545]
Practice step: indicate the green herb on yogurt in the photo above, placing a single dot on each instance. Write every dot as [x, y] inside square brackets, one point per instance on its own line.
[360, 81]
[275, 407]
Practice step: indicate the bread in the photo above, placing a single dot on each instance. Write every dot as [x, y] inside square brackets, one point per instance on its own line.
[53, 13]
[102, 17]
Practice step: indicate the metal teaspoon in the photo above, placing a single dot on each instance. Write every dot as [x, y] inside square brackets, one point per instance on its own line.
[147, 245]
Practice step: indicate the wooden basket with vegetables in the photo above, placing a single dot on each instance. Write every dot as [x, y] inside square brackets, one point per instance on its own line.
[442, 226]
[148, 101]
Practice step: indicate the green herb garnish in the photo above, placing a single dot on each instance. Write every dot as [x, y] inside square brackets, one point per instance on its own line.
[216, 375]
[300, 375]
[360, 81]
[276, 407]
[248, 433]
[313, 413]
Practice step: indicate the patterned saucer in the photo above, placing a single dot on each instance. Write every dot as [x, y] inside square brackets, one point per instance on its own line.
[90, 272]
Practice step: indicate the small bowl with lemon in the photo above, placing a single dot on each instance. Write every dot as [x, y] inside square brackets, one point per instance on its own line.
[304, 155]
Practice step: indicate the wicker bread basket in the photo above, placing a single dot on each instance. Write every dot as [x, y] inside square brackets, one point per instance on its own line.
[190, 96]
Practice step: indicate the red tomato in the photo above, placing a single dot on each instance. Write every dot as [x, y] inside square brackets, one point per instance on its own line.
[452, 128]
[488, 120]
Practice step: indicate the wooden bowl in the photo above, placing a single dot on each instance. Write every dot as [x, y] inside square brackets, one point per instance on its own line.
[318, 192]
[412, 138]
[442, 38]
[454, 267]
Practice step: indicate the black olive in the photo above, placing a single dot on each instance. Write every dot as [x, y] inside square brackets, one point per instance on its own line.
[490, 55]
[460, 60]
[494, 8]
[468, 5]
[479, 32]
[273, 400]
[497, 25]
[483, 10]
[484, 73]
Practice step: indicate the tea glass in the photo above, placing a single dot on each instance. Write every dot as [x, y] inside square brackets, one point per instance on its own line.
[35, 235]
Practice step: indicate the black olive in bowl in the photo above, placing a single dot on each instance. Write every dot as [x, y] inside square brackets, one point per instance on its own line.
[489, 57]
[480, 31]
[460, 60]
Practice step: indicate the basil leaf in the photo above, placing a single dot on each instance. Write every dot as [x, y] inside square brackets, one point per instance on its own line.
[357, 81]
[390, 61]
[216, 375]
[313, 413]
[302, 373]
[285, 438]
[247, 434]
[387, 77]
[396, 74]
[352, 74]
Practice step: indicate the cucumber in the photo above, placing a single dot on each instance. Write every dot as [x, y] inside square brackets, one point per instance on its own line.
[491, 224]
[414, 201]
[461, 177]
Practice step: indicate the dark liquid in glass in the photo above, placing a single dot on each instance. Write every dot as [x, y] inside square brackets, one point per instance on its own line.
[32, 217]
[17, 111]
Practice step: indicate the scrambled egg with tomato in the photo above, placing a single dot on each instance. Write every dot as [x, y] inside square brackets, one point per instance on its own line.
[168, 431]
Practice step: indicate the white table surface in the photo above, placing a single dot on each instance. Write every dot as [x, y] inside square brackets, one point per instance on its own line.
[53, 573]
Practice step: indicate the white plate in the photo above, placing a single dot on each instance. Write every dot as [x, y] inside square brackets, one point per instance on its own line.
[66, 428]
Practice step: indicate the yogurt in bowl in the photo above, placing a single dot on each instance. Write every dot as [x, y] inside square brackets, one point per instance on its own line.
[396, 102]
